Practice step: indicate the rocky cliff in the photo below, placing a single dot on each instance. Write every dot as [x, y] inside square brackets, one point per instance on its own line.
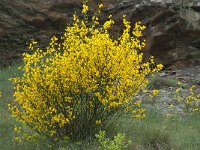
[172, 35]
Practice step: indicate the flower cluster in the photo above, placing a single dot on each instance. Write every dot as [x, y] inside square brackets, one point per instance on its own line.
[74, 86]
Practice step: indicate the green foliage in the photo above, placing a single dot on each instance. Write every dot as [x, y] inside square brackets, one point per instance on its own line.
[118, 143]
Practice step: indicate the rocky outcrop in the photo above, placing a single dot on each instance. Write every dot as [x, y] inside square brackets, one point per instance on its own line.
[172, 35]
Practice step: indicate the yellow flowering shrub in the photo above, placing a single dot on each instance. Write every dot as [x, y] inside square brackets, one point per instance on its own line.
[190, 102]
[81, 80]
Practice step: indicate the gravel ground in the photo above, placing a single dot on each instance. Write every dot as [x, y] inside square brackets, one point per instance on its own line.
[167, 82]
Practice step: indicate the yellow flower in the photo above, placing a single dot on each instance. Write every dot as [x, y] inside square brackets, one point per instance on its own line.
[100, 6]
[108, 24]
[177, 90]
[98, 122]
[155, 92]
[85, 9]
[17, 129]
[195, 109]
[114, 104]
[52, 132]
[179, 83]
[159, 66]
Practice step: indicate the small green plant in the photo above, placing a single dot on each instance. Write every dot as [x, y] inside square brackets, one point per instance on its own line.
[118, 143]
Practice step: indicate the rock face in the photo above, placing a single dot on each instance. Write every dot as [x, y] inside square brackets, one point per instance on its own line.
[172, 35]
[22, 20]
[180, 32]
